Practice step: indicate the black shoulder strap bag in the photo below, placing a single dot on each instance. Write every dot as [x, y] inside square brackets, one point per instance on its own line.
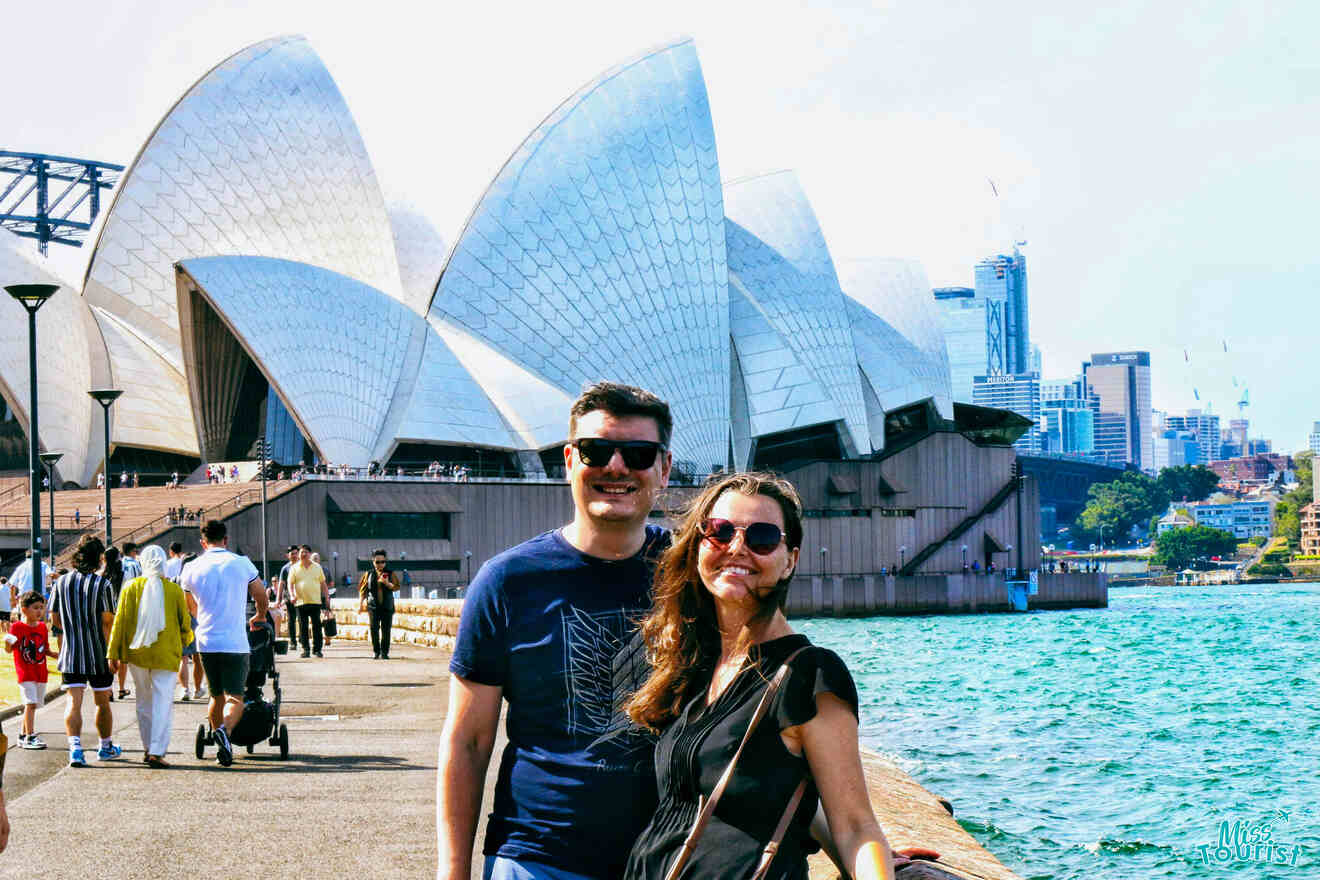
[708, 808]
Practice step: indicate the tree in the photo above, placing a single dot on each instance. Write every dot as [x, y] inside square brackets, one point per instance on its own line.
[1178, 548]
[1287, 513]
[1188, 482]
[1130, 500]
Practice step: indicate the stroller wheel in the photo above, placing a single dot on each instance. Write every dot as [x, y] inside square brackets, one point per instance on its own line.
[201, 741]
[251, 749]
[284, 742]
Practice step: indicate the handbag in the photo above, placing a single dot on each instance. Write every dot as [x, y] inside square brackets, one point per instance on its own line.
[328, 625]
[708, 808]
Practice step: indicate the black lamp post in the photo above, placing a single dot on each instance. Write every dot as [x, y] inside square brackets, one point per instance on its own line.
[49, 459]
[32, 297]
[105, 397]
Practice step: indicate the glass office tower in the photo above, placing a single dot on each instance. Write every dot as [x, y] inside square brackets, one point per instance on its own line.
[1019, 393]
[1121, 383]
[964, 319]
[1003, 279]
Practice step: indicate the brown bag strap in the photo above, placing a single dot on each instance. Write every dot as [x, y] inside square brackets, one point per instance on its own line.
[708, 806]
[768, 854]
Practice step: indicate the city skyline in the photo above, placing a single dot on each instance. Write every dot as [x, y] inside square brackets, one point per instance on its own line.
[1161, 196]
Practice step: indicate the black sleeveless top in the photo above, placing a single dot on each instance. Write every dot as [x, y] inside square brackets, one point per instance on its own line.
[693, 751]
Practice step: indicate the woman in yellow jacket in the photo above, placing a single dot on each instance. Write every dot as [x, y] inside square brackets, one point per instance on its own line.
[151, 627]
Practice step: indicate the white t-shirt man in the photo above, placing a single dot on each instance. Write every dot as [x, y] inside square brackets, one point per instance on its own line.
[22, 579]
[219, 580]
[173, 568]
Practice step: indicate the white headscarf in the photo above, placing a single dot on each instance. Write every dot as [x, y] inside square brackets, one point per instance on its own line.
[151, 607]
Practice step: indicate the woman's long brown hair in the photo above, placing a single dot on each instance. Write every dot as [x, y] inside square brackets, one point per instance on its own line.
[681, 632]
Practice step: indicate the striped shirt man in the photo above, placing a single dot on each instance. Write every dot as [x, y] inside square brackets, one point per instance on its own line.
[80, 600]
[132, 568]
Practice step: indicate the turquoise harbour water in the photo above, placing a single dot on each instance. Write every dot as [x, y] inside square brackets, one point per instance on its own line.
[1109, 744]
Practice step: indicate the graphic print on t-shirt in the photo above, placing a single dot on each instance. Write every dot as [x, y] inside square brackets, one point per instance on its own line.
[590, 643]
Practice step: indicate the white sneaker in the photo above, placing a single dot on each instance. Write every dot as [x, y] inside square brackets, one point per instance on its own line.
[187, 696]
[201, 692]
[32, 742]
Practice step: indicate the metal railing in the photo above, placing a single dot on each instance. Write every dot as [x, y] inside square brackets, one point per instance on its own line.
[175, 517]
[62, 523]
[18, 489]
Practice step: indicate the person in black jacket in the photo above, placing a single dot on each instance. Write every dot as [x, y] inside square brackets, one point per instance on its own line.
[376, 596]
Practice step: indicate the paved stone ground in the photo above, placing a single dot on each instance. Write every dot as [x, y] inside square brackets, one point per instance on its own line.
[355, 799]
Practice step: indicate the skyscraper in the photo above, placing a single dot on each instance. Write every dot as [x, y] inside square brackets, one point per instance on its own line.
[1019, 393]
[1315, 439]
[1068, 417]
[986, 327]
[964, 321]
[1204, 426]
[1121, 383]
[1003, 279]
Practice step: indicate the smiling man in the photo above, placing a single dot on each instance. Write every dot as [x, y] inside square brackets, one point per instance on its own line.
[541, 625]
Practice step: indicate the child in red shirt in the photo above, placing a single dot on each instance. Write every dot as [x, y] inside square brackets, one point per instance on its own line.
[29, 642]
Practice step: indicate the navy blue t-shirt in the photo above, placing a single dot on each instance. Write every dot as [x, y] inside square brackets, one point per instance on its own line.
[544, 621]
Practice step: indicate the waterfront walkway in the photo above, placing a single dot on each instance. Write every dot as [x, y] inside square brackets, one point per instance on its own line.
[356, 797]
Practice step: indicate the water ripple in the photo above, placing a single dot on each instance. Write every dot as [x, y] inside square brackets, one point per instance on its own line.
[1107, 743]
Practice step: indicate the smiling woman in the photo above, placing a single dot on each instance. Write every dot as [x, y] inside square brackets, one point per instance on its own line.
[724, 660]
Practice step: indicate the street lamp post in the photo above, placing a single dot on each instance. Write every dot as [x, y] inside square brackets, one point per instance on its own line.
[49, 459]
[964, 553]
[334, 559]
[32, 297]
[824, 554]
[902, 556]
[263, 451]
[467, 556]
[105, 397]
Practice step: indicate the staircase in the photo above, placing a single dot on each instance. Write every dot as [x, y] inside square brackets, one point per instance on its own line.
[961, 528]
[139, 514]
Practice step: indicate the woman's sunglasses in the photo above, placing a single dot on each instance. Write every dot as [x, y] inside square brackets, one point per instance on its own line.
[762, 538]
[638, 455]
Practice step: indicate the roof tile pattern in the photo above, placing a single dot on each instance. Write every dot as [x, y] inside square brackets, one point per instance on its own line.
[337, 366]
[260, 157]
[67, 343]
[598, 251]
[778, 253]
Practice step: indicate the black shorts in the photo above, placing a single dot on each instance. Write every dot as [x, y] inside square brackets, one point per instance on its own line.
[96, 681]
[225, 673]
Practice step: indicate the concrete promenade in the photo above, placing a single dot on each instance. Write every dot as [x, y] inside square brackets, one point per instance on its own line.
[355, 799]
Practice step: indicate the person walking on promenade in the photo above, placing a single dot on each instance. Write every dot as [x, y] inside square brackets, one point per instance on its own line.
[189, 658]
[376, 596]
[29, 641]
[307, 583]
[152, 624]
[284, 595]
[21, 580]
[731, 682]
[541, 625]
[326, 612]
[221, 582]
[82, 609]
[112, 569]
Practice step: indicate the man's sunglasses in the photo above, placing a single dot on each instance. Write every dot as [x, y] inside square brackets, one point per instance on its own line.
[762, 538]
[638, 455]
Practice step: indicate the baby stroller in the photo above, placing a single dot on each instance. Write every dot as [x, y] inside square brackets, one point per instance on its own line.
[261, 719]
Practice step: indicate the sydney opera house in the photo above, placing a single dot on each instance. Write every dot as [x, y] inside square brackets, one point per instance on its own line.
[250, 279]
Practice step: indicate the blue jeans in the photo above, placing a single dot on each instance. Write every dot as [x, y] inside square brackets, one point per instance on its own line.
[502, 868]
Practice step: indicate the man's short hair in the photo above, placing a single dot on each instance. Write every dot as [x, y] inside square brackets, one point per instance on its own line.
[619, 401]
[30, 597]
[176, 548]
[214, 531]
[307, 547]
[293, 548]
[130, 548]
[381, 552]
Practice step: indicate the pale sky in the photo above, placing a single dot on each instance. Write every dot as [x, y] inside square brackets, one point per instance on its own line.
[1158, 158]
